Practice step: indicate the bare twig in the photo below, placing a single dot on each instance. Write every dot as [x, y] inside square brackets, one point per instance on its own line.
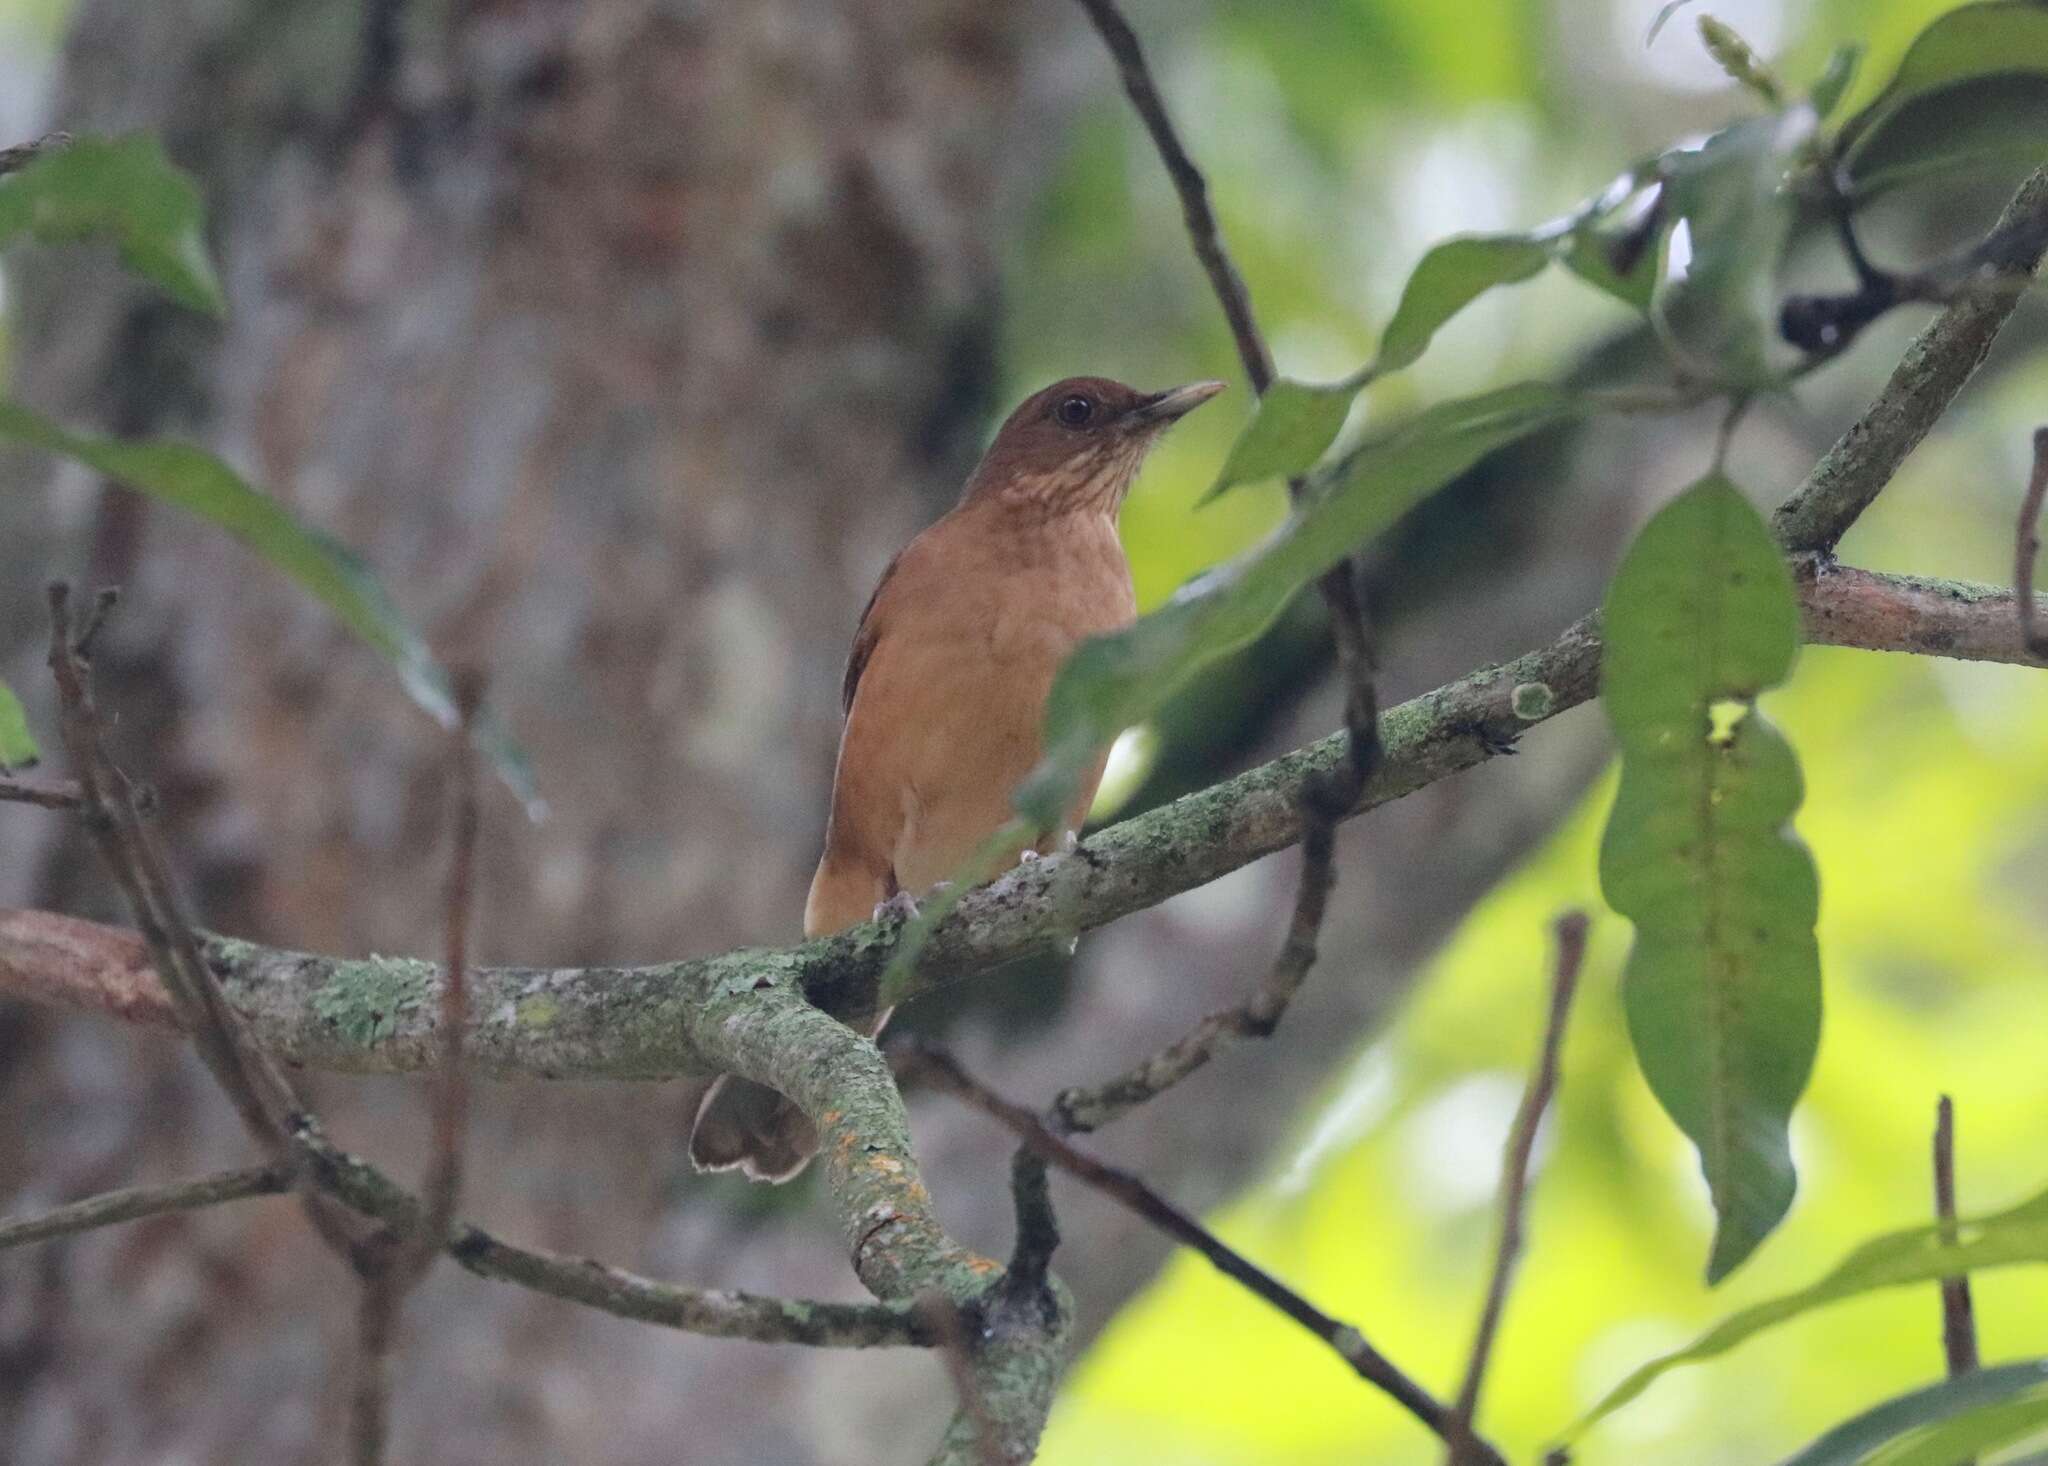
[48, 794]
[1325, 802]
[114, 1207]
[1038, 1230]
[1944, 357]
[943, 1072]
[1188, 182]
[1570, 934]
[2029, 548]
[1958, 1317]
[392, 1271]
[18, 157]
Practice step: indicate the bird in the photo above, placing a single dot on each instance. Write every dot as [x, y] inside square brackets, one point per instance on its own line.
[945, 689]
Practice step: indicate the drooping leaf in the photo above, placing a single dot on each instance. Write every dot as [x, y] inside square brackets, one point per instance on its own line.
[1449, 278]
[1917, 1255]
[1113, 682]
[1292, 425]
[124, 189]
[199, 483]
[1718, 313]
[1722, 988]
[1615, 240]
[1852, 1442]
[17, 746]
[1965, 45]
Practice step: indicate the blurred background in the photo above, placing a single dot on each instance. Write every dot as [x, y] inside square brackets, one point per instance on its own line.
[627, 339]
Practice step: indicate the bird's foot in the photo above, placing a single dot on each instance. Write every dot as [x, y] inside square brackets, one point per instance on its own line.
[1069, 842]
[901, 907]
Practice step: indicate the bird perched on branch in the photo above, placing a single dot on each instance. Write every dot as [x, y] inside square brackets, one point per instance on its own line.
[945, 690]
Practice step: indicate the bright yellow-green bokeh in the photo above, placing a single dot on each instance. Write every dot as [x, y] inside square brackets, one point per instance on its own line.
[1928, 813]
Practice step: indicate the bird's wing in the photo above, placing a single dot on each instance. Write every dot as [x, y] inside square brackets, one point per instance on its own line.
[864, 639]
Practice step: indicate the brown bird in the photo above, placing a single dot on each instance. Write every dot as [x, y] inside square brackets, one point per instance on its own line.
[945, 690]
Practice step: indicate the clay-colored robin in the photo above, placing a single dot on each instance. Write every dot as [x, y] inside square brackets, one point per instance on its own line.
[945, 689]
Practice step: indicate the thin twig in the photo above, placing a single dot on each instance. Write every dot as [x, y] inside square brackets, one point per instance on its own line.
[1944, 357]
[957, 1350]
[18, 157]
[1570, 933]
[114, 1207]
[2032, 634]
[391, 1272]
[943, 1072]
[1188, 182]
[1324, 804]
[1038, 1230]
[1958, 1317]
[48, 794]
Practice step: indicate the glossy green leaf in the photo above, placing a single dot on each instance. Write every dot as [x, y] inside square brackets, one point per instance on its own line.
[1718, 313]
[1917, 1255]
[1113, 682]
[126, 190]
[1722, 989]
[1988, 121]
[1970, 44]
[17, 745]
[197, 482]
[1852, 1442]
[1449, 278]
[1291, 426]
[1967, 1437]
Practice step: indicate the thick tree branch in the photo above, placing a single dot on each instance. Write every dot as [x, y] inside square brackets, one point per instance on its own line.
[374, 1014]
[114, 1207]
[1944, 356]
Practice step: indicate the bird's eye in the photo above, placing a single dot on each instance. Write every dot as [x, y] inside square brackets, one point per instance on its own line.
[1075, 411]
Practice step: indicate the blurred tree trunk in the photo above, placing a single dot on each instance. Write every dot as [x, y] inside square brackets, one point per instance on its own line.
[626, 339]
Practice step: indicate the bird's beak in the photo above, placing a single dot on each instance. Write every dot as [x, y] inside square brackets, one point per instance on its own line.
[1174, 403]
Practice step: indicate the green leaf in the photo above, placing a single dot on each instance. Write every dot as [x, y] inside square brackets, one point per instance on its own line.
[1720, 312]
[1851, 1442]
[1620, 261]
[1449, 278]
[1834, 80]
[1112, 682]
[1722, 988]
[1964, 1439]
[17, 746]
[1917, 1255]
[197, 482]
[125, 189]
[1988, 121]
[1291, 426]
[1966, 45]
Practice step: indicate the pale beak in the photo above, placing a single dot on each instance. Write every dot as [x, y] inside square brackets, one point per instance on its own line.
[1174, 403]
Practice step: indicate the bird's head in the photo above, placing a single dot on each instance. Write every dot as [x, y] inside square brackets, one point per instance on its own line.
[1078, 444]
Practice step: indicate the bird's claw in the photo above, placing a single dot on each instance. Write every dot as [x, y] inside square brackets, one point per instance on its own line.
[900, 907]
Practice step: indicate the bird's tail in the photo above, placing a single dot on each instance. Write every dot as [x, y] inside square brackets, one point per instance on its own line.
[747, 1127]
